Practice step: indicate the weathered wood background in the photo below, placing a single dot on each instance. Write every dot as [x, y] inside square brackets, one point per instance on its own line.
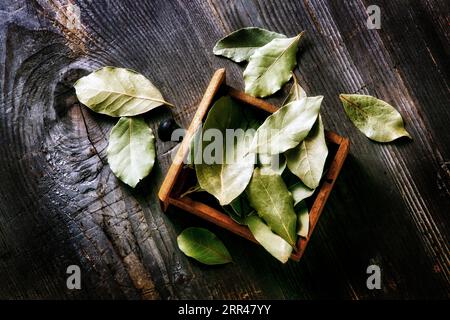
[60, 205]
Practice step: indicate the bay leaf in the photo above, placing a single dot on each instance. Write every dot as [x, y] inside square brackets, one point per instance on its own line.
[239, 209]
[270, 66]
[272, 163]
[118, 92]
[203, 246]
[307, 160]
[296, 187]
[131, 150]
[303, 220]
[273, 243]
[241, 44]
[272, 201]
[377, 119]
[295, 93]
[234, 215]
[224, 179]
[287, 127]
[300, 192]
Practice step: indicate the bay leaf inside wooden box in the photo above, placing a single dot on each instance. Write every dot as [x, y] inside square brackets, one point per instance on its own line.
[179, 177]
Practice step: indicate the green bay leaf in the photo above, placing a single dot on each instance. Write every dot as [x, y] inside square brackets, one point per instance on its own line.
[287, 127]
[270, 66]
[241, 44]
[273, 243]
[203, 246]
[118, 92]
[375, 118]
[227, 179]
[273, 202]
[307, 160]
[131, 150]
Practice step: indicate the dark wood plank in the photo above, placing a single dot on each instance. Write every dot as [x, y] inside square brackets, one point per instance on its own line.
[72, 203]
[335, 59]
[60, 204]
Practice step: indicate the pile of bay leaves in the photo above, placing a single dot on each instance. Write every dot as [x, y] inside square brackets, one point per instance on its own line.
[275, 166]
[266, 186]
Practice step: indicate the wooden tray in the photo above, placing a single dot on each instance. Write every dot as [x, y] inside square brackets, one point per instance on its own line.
[177, 175]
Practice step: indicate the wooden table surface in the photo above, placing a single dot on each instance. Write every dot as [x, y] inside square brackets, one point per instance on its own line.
[60, 204]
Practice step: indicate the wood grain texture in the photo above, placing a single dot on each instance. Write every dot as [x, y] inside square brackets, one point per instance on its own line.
[60, 204]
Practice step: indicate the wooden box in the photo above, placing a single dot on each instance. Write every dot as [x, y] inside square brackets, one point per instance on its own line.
[177, 178]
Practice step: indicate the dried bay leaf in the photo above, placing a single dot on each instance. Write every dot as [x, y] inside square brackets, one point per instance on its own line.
[239, 209]
[300, 192]
[272, 163]
[233, 214]
[203, 246]
[224, 180]
[273, 243]
[272, 201]
[307, 160]
[131, 150]
[241, 44]
[375, 118]
[303, 219]
[270, 66]
[295, 93]
[296, 187]
[118, 92]
[287, 127]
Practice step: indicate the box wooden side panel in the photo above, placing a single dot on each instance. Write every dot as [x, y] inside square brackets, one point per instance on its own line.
[243, 97]
[174, 170]
[212, 215]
